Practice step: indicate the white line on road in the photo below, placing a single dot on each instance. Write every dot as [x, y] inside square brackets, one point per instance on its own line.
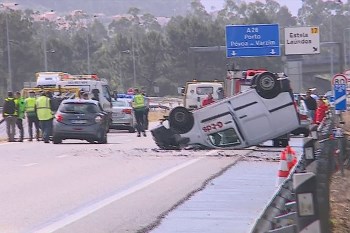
[62, 156]
[68, 219]
[29, 164]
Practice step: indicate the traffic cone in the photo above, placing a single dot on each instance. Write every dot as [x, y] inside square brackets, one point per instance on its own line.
[290, 157]
[283, 171]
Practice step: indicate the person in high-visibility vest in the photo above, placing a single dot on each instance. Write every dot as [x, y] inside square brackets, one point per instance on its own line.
[44, 113]
[139, 107]
[32, 118]
[20, 114]
[146, 121]
[9, 113]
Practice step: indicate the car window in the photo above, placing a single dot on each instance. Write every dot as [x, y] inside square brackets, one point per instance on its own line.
[225, 138]
[120, 103]
[204, 90]
[78, 108]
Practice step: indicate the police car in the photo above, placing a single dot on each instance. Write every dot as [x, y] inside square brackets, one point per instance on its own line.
[263, 112]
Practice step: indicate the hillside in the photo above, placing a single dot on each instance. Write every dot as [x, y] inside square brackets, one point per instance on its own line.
[110, 7]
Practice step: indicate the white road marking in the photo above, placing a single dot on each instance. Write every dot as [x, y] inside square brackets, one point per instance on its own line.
[62, 156]
[29, 164]
[68, 219]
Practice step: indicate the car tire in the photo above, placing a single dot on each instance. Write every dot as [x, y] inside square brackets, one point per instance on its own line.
[267, 85]
[306, 132]
[132, 130]
[56, 140]
[181, 120]
[102, 138]
[280, 142]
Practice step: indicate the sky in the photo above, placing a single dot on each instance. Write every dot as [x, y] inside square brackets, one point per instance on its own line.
[293, 5]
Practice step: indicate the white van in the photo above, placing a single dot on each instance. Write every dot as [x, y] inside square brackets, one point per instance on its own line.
[264, 112]
[49, 79]
[89, 84]
[196, 91]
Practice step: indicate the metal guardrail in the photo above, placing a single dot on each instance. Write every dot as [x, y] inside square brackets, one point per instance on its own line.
[287, 212]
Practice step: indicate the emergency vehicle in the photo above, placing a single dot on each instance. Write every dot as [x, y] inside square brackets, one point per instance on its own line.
[263, 112]
[49, 79]
[236, 81]
[196, 91]
[90, 84]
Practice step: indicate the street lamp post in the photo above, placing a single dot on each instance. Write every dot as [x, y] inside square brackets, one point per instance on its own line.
[331, 36]
[345, 47]
[133, 60]
[132, 53]
[44, 17]
[88, 44]
[9, 79]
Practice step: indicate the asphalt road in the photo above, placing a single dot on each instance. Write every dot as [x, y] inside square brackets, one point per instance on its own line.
[126, 185]
[80, 187]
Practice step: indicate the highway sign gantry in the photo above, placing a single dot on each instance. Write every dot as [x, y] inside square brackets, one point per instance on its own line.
[339, 83]
[302, 40]
[253, 40]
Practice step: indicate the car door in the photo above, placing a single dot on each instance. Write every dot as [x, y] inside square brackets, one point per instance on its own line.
[217, 126]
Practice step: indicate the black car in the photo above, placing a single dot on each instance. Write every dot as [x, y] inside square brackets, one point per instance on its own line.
[80, 119]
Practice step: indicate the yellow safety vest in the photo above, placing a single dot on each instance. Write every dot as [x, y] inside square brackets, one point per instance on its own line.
[43, 109]
[30, 106]
[138, 102]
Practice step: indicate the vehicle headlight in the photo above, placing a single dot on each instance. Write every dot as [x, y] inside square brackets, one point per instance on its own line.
[98, 119]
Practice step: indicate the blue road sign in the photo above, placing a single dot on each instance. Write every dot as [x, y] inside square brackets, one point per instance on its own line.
[253, 40]
[340, 96]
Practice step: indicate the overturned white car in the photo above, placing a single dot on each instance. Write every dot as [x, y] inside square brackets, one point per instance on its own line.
[264, 112]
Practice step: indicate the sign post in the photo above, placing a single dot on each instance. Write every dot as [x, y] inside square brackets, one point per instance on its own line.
[339, 83]
[252, 40]
[302, 40]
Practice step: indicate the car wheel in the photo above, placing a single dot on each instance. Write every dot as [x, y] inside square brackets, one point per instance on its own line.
[181, 120]
[284, 142]
[280, 142]
[56, 140]
[132, 130]
[306, 132]
[102, 138]
[267, 85]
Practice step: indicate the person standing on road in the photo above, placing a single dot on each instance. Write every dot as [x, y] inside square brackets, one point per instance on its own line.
[138, 105]
[30, 108]
[44, 113]
[9, 113]
[146, 110]
[321, 110]
[20, 114]
[311, 104]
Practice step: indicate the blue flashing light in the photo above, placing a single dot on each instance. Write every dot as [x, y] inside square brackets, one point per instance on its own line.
[125, 96]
